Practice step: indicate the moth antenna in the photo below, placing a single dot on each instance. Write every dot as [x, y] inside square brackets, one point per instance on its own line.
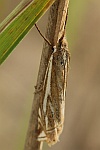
[43, 35]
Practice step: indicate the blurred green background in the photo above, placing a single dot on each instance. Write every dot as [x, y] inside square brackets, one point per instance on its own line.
[18, 76]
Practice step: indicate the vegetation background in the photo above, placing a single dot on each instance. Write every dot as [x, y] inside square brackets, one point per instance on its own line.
[18, 76]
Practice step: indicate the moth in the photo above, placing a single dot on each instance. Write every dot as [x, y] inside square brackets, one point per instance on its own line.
[52, 102]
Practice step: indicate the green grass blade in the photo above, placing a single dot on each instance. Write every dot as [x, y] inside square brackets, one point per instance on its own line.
[19, 22]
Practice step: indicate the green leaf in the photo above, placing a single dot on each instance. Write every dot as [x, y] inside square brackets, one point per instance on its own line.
[19, 22]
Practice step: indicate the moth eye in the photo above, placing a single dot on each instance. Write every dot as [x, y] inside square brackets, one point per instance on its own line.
[62, 63]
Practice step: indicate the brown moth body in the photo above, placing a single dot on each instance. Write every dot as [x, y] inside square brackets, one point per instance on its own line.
[52, 103]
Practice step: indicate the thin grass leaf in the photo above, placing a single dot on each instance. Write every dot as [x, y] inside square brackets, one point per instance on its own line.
[19, 22]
